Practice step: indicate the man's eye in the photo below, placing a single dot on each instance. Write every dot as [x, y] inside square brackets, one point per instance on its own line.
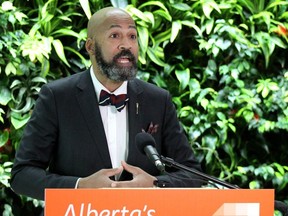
[134, 37]
[114, 35]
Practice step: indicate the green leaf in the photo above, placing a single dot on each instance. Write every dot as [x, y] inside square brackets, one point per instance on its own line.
[18, 120]
[152, 53]
[159, 81]
[5, 95]
[143, 38]
[232, 127]
[181, 6]
[7, 164]
[274, 4]
[45, 66]
[210, 142]
[150, 16]
[65, 32]
[278, 42]
[4, 136]
[209, 6]
[162, 36]
[1, 112]
[10, 69]
[192, 25]
[15, 83]
[39, 80]
[60, 51]
[266, 44]
[248, 115]
[85, 6]
[209, 25]
[204, 103]
[134, 11]
[49, 7]
[163, 14]
[7, 6]
[254, 185]
[86, 62]
[194, 87]
[19, 16]
[183, 77]
[221, 116]
[212, 65]
[119, 3]
[176, 27]
[29, 102]
[154, 3]
[203, 93]
[279, 168]
[265, 91]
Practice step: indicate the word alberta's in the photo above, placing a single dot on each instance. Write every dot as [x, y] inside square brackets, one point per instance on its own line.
[88, 210]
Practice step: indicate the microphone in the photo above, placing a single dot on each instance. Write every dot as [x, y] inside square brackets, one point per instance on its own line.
[146, 145]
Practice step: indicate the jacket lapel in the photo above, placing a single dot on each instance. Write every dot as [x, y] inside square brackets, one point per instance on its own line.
[135, 109]
[87, 100]
[90, 110]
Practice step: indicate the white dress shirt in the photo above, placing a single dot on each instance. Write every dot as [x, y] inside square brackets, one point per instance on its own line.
[115, 123]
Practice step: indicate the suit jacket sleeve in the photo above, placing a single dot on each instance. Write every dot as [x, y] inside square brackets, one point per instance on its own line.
[175, 145]
[30, 175]
[63, 140]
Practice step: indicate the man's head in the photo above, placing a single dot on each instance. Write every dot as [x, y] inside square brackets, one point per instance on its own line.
[112, 44]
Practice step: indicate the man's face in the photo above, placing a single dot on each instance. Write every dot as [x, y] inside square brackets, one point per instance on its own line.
[114, 69]
[116, 47]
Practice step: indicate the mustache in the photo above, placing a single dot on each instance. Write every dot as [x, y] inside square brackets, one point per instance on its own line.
[126, 53]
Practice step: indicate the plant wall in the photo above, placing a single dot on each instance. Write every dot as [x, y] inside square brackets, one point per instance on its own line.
[225, 65]
[224, 62]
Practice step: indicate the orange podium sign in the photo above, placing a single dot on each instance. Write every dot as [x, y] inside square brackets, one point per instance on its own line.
[159, 202]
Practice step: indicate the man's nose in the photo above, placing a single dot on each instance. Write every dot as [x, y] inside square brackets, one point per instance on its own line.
[125, 44]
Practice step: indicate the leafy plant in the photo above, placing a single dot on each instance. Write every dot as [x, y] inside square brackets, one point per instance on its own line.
[224, 62]
[30, 44]
[218, 61]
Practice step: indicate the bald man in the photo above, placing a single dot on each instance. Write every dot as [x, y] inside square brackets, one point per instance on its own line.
[81, 137]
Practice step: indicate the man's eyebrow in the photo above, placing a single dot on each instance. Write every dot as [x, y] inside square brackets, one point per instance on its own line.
[119, 26]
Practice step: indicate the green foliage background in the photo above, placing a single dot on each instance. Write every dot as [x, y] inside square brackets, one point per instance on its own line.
[224, 62]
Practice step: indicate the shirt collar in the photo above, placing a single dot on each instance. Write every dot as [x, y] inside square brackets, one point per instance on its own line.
[98, 86]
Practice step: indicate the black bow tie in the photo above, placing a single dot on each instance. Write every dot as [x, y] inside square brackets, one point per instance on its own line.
[119, 101]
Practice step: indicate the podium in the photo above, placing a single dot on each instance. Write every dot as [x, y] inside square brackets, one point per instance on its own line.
[159, 202]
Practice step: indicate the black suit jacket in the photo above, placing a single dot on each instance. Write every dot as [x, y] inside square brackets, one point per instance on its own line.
[65, 139]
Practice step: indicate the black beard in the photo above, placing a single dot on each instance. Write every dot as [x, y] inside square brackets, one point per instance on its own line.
[111, 70]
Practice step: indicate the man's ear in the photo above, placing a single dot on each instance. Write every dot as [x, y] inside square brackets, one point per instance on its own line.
[89, 45]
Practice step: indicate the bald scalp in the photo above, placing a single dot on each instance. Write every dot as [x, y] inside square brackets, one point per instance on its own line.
[98, 18]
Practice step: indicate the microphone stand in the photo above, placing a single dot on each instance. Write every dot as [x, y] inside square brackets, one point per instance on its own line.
[171, 163]
[278, 205]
